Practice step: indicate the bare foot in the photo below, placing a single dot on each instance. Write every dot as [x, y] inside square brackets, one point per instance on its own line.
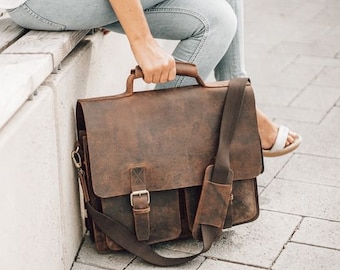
[268, 131]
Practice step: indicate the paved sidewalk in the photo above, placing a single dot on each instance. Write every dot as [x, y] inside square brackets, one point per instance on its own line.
[293, 59]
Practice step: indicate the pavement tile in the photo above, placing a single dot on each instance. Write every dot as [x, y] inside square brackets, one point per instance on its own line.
[317, 141]
[274, 95]
[257, 243]
[297, 75]
[330, 4]
[311, 38]
[221, 265]
[303, 257]
[265, 35]
[272, 167]
[291, 75]
[322, 140]
[306, 11]
[272, 7]
[274, 64]
[80, 266]
[317, 97]
[300, 198]
[329, 76]
[191, 265]
[312, 169]
[318, 61]
[312, 48]
[317, 232]
[328, 16]
[290, 113]
[188, 245]
[302, 32]
[115, 260]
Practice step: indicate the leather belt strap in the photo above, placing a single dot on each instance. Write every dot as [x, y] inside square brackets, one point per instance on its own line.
[140, 202]
[221, 181]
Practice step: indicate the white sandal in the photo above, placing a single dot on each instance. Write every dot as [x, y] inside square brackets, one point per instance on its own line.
[279, 147]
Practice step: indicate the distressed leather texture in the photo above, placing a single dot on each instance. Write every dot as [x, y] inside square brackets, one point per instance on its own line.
[146, 154]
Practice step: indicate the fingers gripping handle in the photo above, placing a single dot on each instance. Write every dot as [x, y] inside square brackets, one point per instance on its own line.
[182, 69]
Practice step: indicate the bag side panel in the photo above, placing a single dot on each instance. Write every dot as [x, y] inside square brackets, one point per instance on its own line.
[96, 234]
[245, 202]
[246, 159]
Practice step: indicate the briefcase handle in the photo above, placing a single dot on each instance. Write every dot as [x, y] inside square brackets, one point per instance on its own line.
[182, 69]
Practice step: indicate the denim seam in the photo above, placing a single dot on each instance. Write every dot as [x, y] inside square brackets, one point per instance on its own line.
[27, 9]
[195, 15]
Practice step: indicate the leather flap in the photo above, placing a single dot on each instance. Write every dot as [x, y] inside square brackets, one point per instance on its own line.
[172, 134]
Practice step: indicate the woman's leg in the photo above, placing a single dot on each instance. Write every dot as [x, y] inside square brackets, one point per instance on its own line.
[232, 65]
[197, 24]
[204, 29]
[51, 15]
[63, 15]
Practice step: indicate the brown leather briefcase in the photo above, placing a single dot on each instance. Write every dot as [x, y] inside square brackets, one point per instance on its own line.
[161, 165]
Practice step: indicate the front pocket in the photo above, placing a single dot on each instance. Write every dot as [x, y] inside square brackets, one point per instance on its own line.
[165, 219]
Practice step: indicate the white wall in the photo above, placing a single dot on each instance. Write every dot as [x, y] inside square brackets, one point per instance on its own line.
[41, 225]
[30, 234]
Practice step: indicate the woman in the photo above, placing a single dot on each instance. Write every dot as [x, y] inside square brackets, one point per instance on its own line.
[210, 34]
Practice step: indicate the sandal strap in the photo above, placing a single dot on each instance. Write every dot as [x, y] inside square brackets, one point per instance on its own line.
[281, 138]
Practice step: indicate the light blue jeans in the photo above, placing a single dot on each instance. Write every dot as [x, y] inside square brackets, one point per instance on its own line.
[206, 30]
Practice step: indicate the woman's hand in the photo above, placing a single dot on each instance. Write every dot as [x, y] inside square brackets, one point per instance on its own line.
[157, 65]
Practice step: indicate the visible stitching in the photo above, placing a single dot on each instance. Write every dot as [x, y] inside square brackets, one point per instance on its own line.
[31, 12]
[138, 175]
[26, 8]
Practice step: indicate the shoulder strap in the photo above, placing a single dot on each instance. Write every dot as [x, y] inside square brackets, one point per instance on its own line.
[222, 176]
[216, 192]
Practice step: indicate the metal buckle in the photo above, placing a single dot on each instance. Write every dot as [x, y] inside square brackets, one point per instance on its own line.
[139, 193]
[76, 158]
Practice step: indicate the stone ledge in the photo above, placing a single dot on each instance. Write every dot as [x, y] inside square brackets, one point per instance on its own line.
[27, 58]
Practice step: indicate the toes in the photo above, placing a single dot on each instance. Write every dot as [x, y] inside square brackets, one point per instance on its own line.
[291, 138]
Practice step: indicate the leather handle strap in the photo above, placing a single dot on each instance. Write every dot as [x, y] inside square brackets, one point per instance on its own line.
[221, 175]
[182, 69]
